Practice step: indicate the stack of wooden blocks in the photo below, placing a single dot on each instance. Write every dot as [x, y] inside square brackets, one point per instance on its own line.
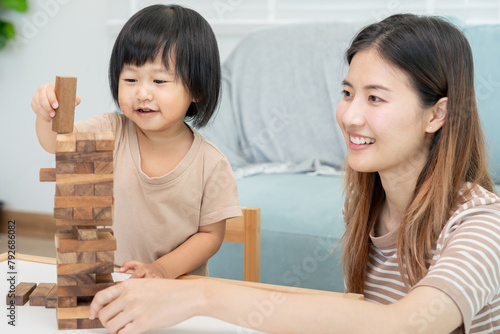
[83, 210]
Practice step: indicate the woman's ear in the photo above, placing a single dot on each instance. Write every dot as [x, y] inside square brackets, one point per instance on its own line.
[437, 115]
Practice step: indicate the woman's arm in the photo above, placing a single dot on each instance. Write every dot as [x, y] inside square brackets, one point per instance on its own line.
[188, 256]
[136, 306]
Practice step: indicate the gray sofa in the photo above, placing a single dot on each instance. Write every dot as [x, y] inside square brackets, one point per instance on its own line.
[276, 125]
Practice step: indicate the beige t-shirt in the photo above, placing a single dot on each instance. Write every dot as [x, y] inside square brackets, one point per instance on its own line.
[154, 215]
[465, 266]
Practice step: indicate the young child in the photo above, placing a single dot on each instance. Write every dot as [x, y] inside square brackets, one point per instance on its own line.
[173, 189]
[422, 219]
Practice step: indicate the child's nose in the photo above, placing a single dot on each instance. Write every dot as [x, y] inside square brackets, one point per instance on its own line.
[144, 93]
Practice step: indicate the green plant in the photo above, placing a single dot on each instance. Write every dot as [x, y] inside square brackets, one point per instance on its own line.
[7, 30]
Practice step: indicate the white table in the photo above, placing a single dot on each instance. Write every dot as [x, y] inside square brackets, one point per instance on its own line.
[38, 319]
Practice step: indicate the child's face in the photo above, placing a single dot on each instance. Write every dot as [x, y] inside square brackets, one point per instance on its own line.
[381, 118]
[150, 96]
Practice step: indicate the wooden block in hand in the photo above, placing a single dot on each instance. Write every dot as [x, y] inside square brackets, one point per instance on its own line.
[66, 142]
[47, 175]
[85, 142]
[104, 141]
[65, 90]
[37, 297]
[51, 299]
[21, 294]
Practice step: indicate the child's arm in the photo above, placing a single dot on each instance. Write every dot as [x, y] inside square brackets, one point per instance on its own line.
[188, 256]
[44, 103]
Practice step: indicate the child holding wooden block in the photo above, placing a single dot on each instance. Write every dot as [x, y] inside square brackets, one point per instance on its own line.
[173, 189]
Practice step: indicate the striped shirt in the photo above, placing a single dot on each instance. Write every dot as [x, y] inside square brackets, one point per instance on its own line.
[465, 265]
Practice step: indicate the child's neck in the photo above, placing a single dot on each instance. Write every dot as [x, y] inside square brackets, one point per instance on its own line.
[161, 152]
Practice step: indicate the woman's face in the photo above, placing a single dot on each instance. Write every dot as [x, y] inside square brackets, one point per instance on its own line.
[381, 118]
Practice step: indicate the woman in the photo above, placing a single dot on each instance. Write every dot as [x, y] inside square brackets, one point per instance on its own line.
[422, 220]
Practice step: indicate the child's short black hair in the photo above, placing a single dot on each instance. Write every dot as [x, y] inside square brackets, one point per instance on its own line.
[180, 33]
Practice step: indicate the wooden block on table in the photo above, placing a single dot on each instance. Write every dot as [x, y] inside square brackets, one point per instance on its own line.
[68, 243]
[70, 301]
[83, 201]
[84, 222]
[102, 213]
[63, 213]
[84, 268]
[63, 179]
[21, 295]
[103, 167]
[83, 213]
[65, 189]
[77, 279]
[104, 141]
[64, 324]
[87, 323]
[84, 190]
[82, 290]
[65, 89]
[37, 297]
[103, 189]
[47, 175]
[84, 156]
[85, 142]
[51, 299]
[66, 142]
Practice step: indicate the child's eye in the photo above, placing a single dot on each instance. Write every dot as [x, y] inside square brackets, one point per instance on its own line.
[159, 81]
[130, 80]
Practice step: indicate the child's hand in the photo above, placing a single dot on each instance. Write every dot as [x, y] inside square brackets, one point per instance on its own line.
[143, 270]
[44, 101]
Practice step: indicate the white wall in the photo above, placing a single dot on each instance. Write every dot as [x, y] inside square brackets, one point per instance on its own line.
[63, 37]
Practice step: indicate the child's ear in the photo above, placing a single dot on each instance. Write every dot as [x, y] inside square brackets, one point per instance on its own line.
[437, 115]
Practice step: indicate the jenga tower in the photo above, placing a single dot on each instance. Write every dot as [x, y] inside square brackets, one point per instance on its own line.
[83, 207]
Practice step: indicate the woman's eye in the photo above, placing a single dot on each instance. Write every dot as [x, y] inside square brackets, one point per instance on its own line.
[346, 93]
[373, 98]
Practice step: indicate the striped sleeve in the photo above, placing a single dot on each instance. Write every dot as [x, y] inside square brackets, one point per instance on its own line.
[466, 265]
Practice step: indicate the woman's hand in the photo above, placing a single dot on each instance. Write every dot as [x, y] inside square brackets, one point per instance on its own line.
[136, 306]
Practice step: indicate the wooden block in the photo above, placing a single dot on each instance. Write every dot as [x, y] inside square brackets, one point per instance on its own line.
[86, 257]
[79, 312]
[37, 297]
[84, 179]
[47, 175]
[77, 279]
[85, 142]
[84, 268]
[87, 323]
[104, 141]
[105, 257]
[84, 168]
[67, 301]
[103, 167]
[104, 278]
[66, 257]
[103, 189]
[84, 222]
[66, 142]
[22, 293]
[84, 190]
[65, 189]
[63, 213]
[102, 213]
[85, 232]
[83, 201]
[65, 90]
[51, 299]
[84, 156]
[83, 213]
[68, 243]
[65, 168]
[82, 290]
[64, 324]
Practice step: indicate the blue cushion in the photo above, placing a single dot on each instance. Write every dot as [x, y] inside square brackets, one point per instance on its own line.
[484, 41]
